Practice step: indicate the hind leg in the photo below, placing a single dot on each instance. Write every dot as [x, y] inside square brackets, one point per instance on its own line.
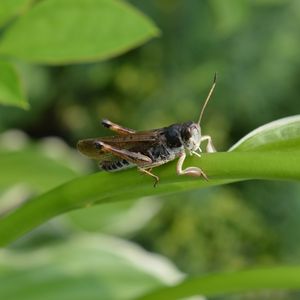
[134, 157]
[117, 128]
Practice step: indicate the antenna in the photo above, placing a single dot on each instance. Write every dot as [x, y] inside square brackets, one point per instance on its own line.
[207, 98]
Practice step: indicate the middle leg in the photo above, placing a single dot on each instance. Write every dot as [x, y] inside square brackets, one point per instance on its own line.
[210, 148]
[148, 172]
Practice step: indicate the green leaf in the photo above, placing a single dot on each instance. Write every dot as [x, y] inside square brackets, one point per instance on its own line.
[121, 218]
[89, 267]
[34, 169]
[63, 31]
[10, 86]
[10, 8]
[282, 134]
[97, 188]
[277, 278]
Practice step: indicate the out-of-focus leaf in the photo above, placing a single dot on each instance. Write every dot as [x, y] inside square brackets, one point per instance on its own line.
[106, 187]
[10, 8]
[63, 31]
[117, 218]
[34, 169]
[277, 278]
[10, 86]
[90, 267]
[39, 166]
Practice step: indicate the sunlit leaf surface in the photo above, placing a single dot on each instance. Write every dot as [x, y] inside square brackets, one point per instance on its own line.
[63, 31]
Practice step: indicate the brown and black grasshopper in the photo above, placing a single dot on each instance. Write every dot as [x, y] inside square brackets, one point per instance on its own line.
[148, 149]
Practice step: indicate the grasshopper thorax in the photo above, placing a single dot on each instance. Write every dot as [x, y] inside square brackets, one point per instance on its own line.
[186, 135]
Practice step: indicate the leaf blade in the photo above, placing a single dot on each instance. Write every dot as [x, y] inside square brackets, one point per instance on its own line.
[102, 187]
[277, 135]
[14, 164]
[10, 8]
[79, 31]
[11, 92]
[113, 268]
[284, 277]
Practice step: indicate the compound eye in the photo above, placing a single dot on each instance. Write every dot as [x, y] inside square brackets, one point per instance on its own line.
[186, 133]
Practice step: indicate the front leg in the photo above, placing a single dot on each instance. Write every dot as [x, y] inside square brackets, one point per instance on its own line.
[210, 148]
[190, 171]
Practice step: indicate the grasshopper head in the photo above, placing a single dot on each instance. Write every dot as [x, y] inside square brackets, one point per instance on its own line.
[191, 135]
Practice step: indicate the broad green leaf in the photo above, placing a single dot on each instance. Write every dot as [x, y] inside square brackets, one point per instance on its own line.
[97, 188]
[121, 218]
[38, 166]
[89, 267]
[10, 8]
[104, 187]
[33, 168]
[64, 31]
[280, 134]
[277, 278]
[10, 86]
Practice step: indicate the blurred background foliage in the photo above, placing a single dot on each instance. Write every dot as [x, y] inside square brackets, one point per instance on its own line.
[254, 47]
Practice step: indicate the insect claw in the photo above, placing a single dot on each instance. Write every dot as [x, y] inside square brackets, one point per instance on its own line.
[156, 181]
[204, 176]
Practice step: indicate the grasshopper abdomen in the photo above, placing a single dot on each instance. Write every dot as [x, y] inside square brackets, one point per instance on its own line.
[116, 165]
